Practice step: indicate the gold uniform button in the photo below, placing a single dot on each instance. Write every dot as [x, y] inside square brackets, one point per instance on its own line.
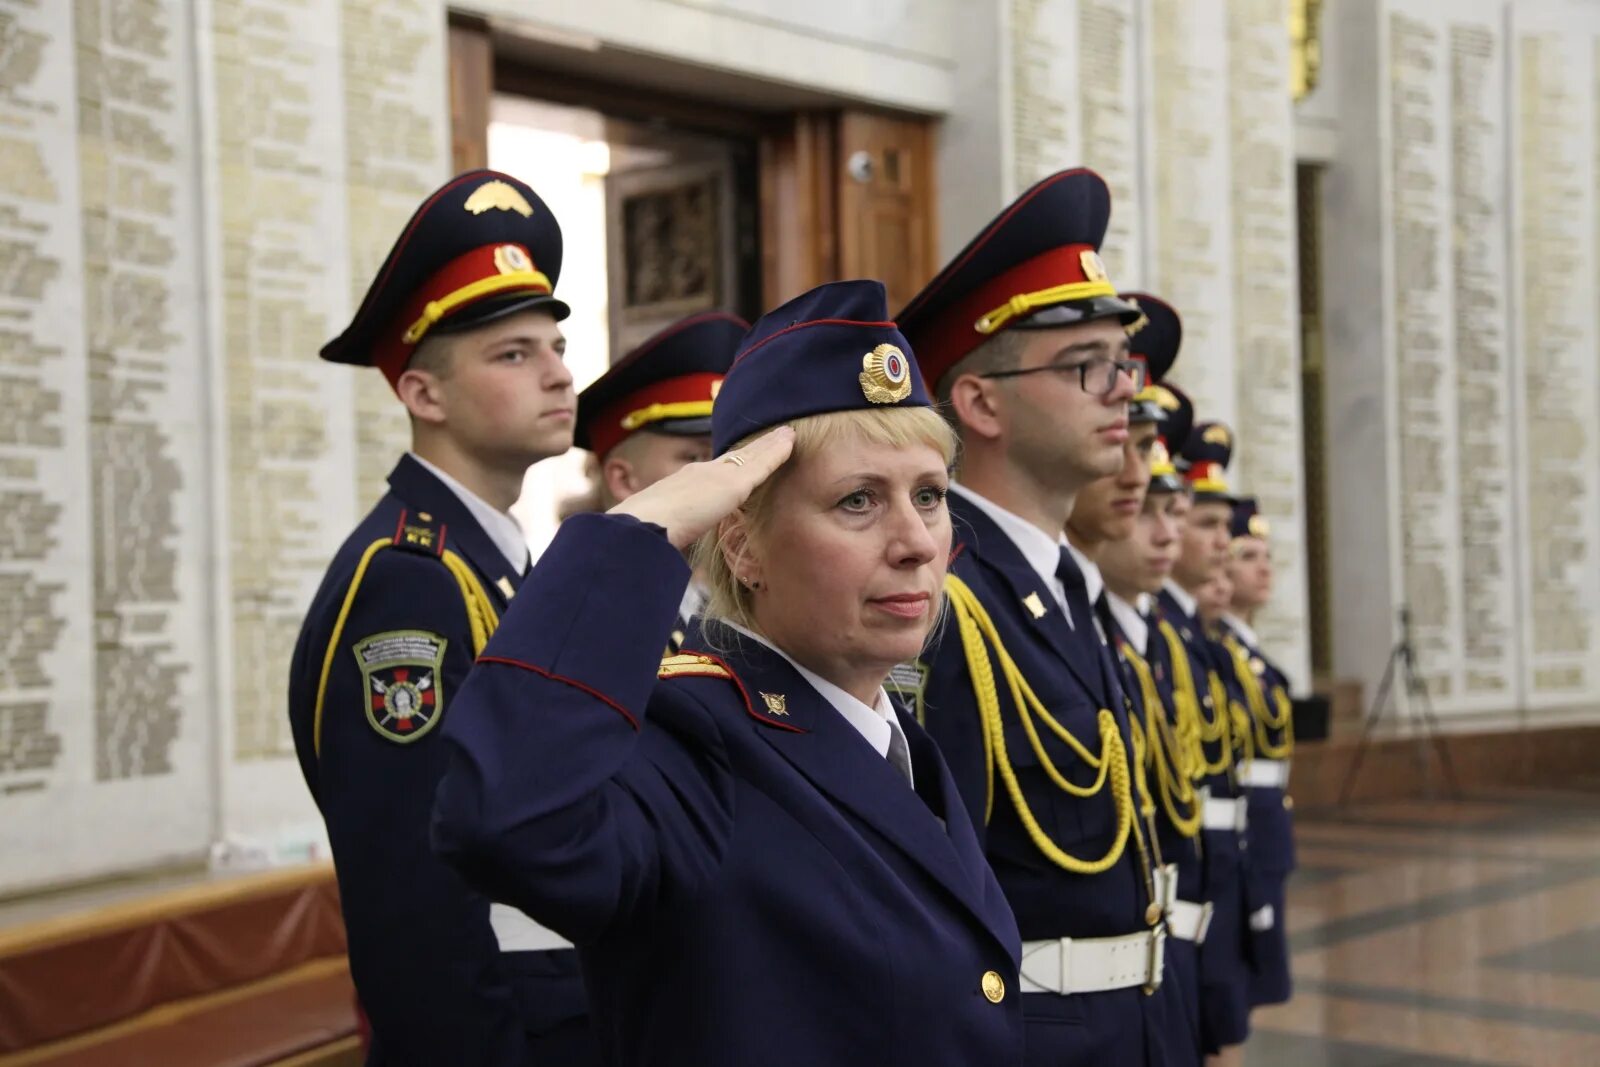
[1288, 802]
[994, 987]
[1152, 913]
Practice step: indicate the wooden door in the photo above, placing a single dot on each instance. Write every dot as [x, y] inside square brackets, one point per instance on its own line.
[670, 246]
[886, 203]
[848, 195]
[471, 58]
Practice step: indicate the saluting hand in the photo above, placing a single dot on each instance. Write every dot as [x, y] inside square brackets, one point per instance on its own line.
[692, 500]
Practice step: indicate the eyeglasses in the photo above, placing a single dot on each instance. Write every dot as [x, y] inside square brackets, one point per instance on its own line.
[1097, 377]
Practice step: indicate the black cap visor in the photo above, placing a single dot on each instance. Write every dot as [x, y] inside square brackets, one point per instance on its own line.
[1166, 483]
[1077, 312]
[698, 427]
[1146, 411]
[493, 309]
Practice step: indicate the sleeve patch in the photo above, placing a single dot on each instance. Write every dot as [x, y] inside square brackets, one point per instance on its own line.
[402, 677]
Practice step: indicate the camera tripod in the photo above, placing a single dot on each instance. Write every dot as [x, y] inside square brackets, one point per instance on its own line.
[1402, 660]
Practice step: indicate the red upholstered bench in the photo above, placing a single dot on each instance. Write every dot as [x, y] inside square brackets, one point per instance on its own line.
[246, 972]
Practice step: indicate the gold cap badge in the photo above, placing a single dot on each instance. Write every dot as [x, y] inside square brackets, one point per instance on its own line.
[498, 196]
[511, 259]
[885, 375]
[1260, 527]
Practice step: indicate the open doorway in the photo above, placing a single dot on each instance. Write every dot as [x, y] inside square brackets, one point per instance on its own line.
[683, 189]
[657, 223]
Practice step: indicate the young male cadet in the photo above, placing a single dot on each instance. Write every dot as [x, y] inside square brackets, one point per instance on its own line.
[650, 415]
[1266, 774]
[1022, 338]
[1224, 959]
[462, 322]
[1104, 517]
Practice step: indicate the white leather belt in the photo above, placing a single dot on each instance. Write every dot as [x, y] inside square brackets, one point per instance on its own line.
[1070, 965]
[1225, 813]
[1264, 773]
[1189, 921]
[518, 933]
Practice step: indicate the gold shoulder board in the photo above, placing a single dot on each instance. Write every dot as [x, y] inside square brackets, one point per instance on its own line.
[691, 666]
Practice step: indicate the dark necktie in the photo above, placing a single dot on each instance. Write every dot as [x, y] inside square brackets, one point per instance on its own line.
[1077, 589]
[1083, 631]
[1102, 611]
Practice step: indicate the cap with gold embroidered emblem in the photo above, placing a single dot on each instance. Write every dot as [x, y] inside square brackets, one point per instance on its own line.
[1203, 461]
[666, 385]
[481, 247]
[1154, 339]
[1248, 522]
[1177, 415]
[1037, 265]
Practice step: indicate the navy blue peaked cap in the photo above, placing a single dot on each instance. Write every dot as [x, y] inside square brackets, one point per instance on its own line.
[831, 349]
[1248, 521]
[480, 247]
[1153, 339]
[1165, 476]
[1036, 265]
[666, 385]
[1204, 460]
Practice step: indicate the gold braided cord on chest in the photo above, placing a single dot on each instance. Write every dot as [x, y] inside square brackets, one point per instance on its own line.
[1265, 718]
[1176, 754]
[1111, 763]
[1186, 699]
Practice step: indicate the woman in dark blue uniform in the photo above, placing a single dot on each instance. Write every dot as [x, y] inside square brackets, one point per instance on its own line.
[759, 858]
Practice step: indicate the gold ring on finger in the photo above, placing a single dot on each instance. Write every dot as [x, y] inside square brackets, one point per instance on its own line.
[734, 458]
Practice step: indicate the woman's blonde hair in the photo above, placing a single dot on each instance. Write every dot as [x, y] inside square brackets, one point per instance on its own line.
[727, 598]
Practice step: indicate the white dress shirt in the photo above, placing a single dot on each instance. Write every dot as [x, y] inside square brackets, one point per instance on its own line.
[1246, 632]
[1131, 618]
[499, 525]
[876, 723]
[1188, 603]
[693, 602]
[1042, 551]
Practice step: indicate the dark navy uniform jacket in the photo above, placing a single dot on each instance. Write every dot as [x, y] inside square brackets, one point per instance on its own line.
[1272, 851]
[1271, 821]
[748, 881]
[1184, 852]
[426, 963]
[1224, 958]
[1124, 1026]
[1175, 848]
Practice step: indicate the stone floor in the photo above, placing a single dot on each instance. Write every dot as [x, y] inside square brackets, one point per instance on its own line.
[1443, 934]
